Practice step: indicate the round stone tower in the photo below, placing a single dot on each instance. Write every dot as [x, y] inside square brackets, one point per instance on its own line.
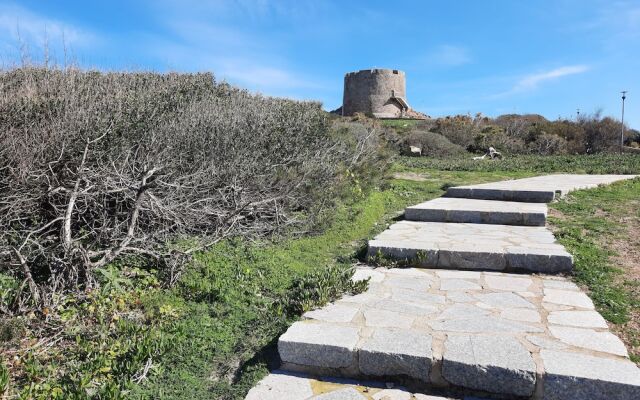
[377, 92]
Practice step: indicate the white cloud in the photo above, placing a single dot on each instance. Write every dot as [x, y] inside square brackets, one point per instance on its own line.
[450, 55]
[530, 82]
[21, 26]
[239, 56]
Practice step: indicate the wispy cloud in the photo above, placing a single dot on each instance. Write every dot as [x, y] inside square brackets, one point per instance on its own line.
[233, 56]
[22, 29]
[532, 81]
[19, 23]
[450, 55]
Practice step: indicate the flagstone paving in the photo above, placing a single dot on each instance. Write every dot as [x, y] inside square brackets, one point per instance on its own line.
[449, 209]
[463, 322]
[491, 332]
[472, 246]
[282, 385]
[539, 189]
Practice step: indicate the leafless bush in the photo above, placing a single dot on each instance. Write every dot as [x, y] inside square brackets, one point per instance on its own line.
[95, 166]
[600, 134]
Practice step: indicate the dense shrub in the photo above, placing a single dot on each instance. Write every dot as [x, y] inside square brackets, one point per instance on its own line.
[529, 133]
[95, 166]
[431, 144]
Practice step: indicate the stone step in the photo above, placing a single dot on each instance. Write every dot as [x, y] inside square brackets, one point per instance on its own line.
[283, 385]
[485, 333]
[472, 246]
[447, 209]
[539, 189]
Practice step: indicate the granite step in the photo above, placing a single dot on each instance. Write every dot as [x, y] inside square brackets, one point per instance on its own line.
[284, 385]
[479, 333]
[472, 246]
[448, 209]
[539, 189]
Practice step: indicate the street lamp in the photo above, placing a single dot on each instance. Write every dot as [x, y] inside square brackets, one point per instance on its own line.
[624, 96]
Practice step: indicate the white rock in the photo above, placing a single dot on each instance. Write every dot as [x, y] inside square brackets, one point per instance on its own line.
[319, 344]
[566, 297]
[333, 313]
[341, 394]
[367, 273]
[574, 376]
[453, 274]
[388, 319]
[584, 319]
[498, 364]
[458, 284]
[281, 386]
[510, 283]
[589, 339]
[391, 394]
[559, 284]
[519, 314]
[504, 300]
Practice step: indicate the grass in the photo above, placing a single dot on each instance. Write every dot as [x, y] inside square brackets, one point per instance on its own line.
[588, 224]
[400, 123]
[213, 335]
[584, 164]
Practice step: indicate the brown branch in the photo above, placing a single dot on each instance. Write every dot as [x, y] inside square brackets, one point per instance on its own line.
[33, 288]
[112, 253]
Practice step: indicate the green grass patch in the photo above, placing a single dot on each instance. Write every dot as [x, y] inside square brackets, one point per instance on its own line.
[579, 164]
[589, 222]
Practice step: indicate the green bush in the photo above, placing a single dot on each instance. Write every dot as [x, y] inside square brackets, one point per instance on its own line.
[582, 164]
[432, 144]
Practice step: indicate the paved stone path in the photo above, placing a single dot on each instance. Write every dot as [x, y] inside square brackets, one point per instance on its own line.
[282, 385]
[493, 332]
[472, 246]
[449, 209]
[465, 327]
[539, 189]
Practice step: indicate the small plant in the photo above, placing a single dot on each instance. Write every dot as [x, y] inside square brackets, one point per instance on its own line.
[321, 287]
[382, 260]
[4, 379]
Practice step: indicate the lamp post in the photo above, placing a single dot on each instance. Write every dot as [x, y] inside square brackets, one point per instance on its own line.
[624, 96]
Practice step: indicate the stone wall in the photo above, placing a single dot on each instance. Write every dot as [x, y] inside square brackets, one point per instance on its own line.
[371, 92]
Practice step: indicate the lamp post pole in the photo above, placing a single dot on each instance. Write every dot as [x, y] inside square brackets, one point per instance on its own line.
[624, 96]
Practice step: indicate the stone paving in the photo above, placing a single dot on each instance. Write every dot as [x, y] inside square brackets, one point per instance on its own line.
[282, 385]
[472, 246]
[465, 324]
[449, 209]
[539, 189]
[509, 334]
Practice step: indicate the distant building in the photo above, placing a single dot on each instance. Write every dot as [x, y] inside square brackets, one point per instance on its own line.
[380, 93]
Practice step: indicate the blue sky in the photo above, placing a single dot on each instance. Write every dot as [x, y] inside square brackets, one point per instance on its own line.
[491, 56]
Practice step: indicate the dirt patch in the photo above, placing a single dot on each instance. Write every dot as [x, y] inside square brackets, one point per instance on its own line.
[627, 258]
[411, 176]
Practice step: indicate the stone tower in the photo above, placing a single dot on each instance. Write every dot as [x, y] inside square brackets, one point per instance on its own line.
[377, 92]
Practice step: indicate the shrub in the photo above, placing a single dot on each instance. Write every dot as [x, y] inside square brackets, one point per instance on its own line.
[432, 144]
[95, 166]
